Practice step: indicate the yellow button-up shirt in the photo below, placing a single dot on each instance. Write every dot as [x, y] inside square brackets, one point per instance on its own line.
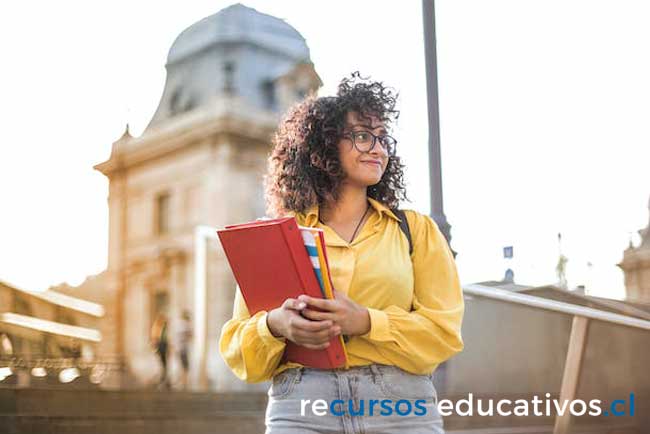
[415, 303]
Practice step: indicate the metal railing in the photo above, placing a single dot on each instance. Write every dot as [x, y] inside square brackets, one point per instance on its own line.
[51, 327]
[96, 370]
[577, 341]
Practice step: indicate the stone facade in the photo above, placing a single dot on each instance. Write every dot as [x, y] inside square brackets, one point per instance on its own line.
[636, 266]
[199, 162]
[51, 332]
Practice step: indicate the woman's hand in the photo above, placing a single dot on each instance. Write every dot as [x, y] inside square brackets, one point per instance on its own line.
[286, 321]
[352, 317]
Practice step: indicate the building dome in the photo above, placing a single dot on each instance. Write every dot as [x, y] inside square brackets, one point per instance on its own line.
[235, 24]
[236, 52]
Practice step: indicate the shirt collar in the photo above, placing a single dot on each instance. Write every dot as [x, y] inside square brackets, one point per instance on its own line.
[381, 208]
[311, 215]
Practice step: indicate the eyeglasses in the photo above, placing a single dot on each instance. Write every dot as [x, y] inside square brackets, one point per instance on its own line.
[365, 141]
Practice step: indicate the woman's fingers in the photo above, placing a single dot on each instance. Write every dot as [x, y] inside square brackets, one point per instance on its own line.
[321, 303]
[308, 327]
[319, 336]
[312, 332]
[293, 304]
[313, 339]
[317, 315]
[296, 322]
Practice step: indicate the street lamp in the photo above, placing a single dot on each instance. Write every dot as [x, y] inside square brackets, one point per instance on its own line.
[435, 166]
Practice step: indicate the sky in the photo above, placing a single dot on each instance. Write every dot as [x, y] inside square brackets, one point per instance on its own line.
[544, 109]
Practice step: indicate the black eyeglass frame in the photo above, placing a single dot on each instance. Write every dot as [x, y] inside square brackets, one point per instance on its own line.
[350, 135]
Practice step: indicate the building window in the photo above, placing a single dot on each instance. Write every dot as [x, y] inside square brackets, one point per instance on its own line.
[64, 317]
[229, 78]
[181, 102]
[160, 300]
[162, 213]
[175, 102]
[301, 94]
[268, 92]
[189, 104]
[21, 306]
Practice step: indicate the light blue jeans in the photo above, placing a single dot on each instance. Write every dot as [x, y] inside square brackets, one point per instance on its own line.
[403, 402]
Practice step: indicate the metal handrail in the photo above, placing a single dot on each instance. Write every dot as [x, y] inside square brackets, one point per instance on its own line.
[28, 361]
[51, 327]
[553, 305]
[577, 339]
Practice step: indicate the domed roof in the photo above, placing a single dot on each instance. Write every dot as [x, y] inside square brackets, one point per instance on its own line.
[239, 23]
[237, 52]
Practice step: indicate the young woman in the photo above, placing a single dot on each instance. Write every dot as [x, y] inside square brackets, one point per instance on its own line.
[333, 166]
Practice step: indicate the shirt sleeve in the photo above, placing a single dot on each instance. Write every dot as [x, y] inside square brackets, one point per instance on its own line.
[247, 345]
[419, 340]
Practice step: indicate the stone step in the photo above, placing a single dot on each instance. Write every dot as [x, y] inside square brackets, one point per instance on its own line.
[223, 424]
[129, 412]
[160, 412]
[621, 428]
[99, 403]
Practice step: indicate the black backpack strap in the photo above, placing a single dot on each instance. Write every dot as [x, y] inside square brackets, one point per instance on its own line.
[404, 226]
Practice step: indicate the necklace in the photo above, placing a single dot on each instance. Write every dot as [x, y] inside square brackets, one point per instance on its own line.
[358, 224]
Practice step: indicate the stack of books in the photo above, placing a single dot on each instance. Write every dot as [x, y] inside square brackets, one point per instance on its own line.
[276, 259]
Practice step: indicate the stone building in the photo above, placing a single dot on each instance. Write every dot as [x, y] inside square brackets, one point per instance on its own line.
[636, 267]
[200, 161]
[45, 333]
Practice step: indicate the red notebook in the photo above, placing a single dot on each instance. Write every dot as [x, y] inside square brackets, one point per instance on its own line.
[270, 263]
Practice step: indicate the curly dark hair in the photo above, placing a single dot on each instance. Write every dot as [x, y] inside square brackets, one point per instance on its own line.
[304, 166]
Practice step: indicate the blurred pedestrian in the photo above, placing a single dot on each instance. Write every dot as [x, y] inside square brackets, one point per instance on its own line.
[185, 335]
[160, 343]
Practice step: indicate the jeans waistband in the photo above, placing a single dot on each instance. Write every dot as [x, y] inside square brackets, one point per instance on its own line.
[373, 370]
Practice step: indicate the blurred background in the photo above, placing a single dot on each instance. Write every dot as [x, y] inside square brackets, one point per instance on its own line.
[133, 130]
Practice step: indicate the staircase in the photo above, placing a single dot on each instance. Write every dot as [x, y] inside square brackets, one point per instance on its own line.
[44, 411]
[60, 411]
